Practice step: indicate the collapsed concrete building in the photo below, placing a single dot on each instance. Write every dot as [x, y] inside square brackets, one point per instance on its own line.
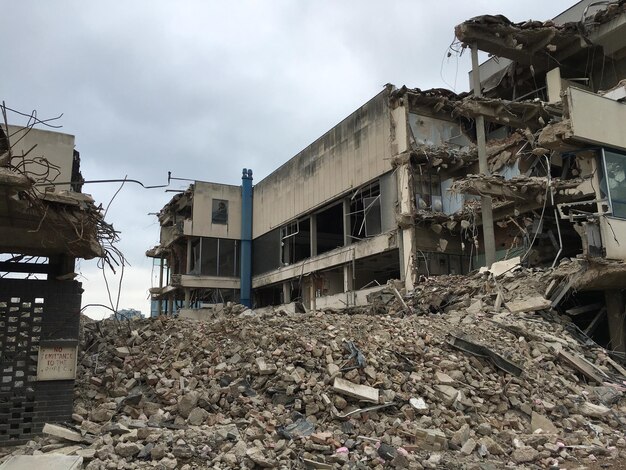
[394, 191]
[46, 222]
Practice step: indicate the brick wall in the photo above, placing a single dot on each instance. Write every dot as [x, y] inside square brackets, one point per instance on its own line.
[34, 313]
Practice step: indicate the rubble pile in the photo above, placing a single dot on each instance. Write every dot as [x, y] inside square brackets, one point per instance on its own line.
[464, 372]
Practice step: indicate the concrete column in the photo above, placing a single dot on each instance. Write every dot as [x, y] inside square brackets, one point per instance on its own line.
[407, 235]
[188, 267]
[187, 297]
[486, 203]
[160, 302]
[170, 305]
[347, 228]
[348, 283]
[313, 294]
[286, 292]
[615, 313]
[313, 235]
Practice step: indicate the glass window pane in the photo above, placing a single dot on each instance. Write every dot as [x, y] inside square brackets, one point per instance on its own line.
[226, 266]
[209, 257]
[615, 181]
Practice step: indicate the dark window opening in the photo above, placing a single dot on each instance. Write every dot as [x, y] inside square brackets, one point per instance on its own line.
[271, 295]
[434, 264]
[213, 296]
[588, 312]
[330, 229]
[377, 269]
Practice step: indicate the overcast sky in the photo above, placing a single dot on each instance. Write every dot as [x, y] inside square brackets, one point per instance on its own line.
[206, 88]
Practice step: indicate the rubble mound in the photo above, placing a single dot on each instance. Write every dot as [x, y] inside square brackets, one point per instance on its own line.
[442, 378]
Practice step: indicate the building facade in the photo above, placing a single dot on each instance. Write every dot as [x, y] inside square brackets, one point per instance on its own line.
[396, 190]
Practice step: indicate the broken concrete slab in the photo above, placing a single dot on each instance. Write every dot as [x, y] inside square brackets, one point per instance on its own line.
[532, 304]
[62, 433]
[500, 267]
[361, 392]
[47, 462]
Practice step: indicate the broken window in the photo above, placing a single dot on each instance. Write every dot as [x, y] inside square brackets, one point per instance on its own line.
[613, 184]
[451, 202]
[295, 241]
[194, 263]
[219, 213]
[365, 212]
[428, 192]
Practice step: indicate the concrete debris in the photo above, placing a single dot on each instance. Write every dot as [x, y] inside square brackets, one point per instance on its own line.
[180, 393]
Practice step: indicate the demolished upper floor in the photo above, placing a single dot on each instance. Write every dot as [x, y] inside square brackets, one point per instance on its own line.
[42, 209]
[587, 42]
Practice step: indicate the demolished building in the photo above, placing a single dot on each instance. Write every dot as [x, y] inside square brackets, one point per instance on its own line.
[46, 223]
[393, 191]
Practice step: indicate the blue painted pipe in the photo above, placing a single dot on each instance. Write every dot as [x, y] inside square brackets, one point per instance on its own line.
[245, 292]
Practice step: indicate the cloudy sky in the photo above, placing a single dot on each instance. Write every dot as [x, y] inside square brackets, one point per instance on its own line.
[205, 88]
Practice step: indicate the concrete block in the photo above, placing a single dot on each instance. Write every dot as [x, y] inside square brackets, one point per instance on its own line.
[47, 461]
[361, 392]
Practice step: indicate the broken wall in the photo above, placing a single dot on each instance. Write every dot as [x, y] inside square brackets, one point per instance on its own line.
[57, 148]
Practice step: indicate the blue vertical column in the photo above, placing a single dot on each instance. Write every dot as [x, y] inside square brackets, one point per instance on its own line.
[245, 293]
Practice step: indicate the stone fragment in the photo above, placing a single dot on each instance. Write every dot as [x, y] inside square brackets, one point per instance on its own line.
[491, 446]
[197, 416]
[524, 455]
[468, 447]
[168, 463]
[122, 351]
[539, 422]
[460, 436]
[447, 394]
[187, 403]
[256, 455]
[127, 449]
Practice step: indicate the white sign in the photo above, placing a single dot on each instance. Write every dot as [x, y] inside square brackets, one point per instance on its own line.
[56, 362]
